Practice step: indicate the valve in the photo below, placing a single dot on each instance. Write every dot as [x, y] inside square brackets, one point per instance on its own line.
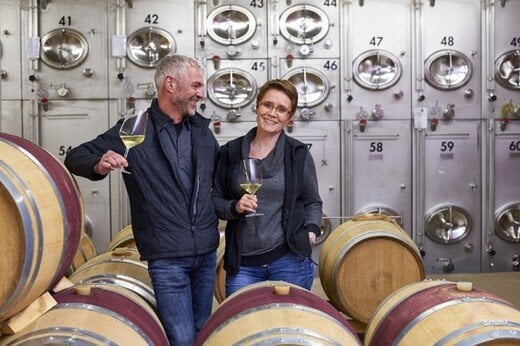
[130, 103]
[449, 112]
[289, 58]
[327, 44]
[202, 105]
[516, 263]
[398, 94]
[362, 125]
[329, 107]
[378, 112]
[216, 62]
[3, 74]
[492, 97]
[362, 114]
[448, 265]
[290, 126]
[503, 123]
[63, 90]
[306, 114]
[88, 72]
[469, 93]
[433, 124]
[349, 97]
[232, 115]
[491, 251]
[508, 110]
[44, 102]
[233, 51]
[305, 50]
[216, 126]
[150, 89]
[422, 97]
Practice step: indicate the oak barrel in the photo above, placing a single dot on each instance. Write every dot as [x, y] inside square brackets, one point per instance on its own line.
[121, 267]
[364, 260]
[94, 315]
[219, 290]
[123, 238]
[42, 216]
[275, 314]
[443, 313]
[86, 251]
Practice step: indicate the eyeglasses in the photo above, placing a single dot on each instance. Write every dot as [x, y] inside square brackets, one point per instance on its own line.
[279, 110]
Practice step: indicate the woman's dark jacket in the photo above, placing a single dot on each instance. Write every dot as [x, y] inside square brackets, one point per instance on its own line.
[165, 224]
[293, 217]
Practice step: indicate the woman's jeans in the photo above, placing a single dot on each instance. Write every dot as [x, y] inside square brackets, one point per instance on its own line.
[292, 268]
[183, 289]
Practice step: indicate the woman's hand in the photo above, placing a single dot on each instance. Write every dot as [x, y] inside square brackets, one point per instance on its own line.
[246, 203]
[312, 238]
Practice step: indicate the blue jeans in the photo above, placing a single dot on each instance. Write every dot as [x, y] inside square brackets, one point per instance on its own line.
[292, 268]
[183, 289]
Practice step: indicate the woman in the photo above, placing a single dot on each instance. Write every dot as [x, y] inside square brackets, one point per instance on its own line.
[277, 244]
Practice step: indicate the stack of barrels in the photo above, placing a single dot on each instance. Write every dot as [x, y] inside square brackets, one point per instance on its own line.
[42, 220]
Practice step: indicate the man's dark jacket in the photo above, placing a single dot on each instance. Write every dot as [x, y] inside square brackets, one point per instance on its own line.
[164, 223]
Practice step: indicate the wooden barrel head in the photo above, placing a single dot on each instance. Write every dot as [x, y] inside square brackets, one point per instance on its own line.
[262, 315]
[436, 312]
[363, 261]
[41, 203]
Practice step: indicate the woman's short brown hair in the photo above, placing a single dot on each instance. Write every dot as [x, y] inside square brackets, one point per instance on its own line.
[284, 86]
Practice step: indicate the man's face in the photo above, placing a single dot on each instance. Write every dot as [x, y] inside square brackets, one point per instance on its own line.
[189, 91]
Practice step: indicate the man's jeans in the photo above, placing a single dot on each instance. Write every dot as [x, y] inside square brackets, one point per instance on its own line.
[183, 289]
[292, 268]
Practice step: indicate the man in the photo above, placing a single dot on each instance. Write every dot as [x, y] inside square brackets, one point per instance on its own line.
[169, 188]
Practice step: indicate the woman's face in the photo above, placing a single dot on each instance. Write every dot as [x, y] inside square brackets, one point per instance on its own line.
[273, 111]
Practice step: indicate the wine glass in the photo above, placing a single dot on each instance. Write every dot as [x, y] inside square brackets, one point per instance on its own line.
[250, 178]
[133, 130]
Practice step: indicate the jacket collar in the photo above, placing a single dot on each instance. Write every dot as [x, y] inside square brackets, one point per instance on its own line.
[161, 119]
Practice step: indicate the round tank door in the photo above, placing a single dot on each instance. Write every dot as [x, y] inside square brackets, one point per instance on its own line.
[64, 48]
[304, 24]
[231, 25]
[146, 46]
[231, 88]
[312, 85]
[376, 70]
[447, 69]
[507, 223]
[448, 224]
[508, 70]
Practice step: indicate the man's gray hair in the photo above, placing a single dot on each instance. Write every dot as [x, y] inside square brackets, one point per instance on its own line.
[175, 66]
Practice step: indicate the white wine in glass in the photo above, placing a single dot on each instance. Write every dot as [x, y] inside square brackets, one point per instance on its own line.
[250, 179]
[133, 130]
